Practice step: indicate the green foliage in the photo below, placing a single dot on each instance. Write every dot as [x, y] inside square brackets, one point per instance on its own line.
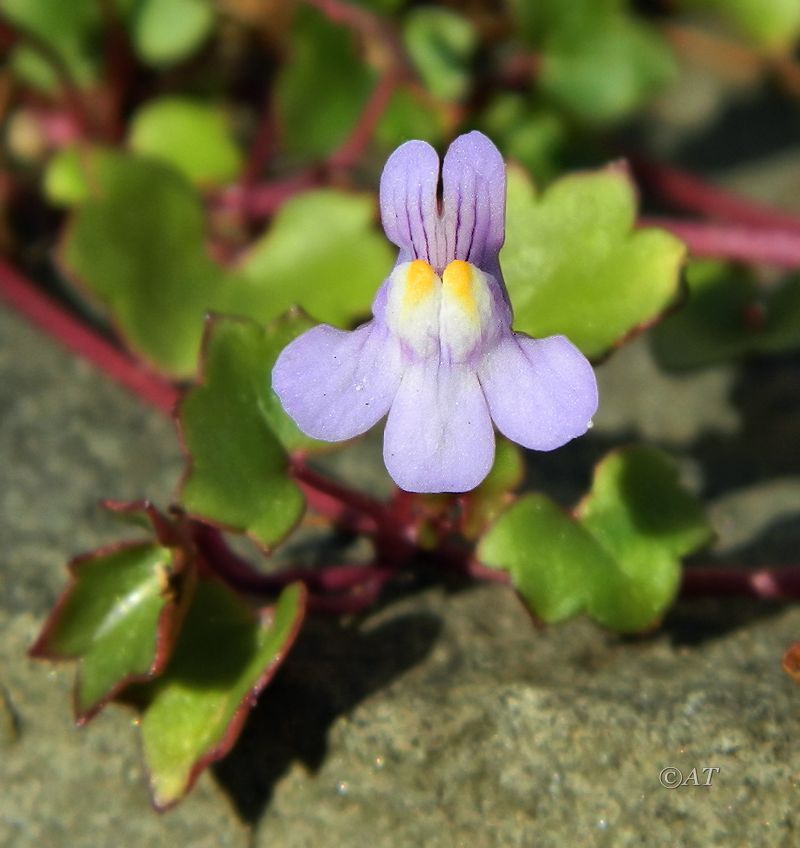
[153, 273]
[484, 504]
[224, 657]
[440, 43]
[773, 24]
[617, 280]
[322, 86]
[598, 60]
[728, 315]
[409, 115]
[193, 136]
[114, 618]
[618, 559]
[236, 432]
[167, 31]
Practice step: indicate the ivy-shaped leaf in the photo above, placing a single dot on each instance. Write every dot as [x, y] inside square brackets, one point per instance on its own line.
[574, 265]
[440, 44]
[235, 433]
[728, 315]
[617, 559]
[192, 135]
[167, 31]
[598, 59]
[119, 615]
[322, 86]
[154, 275]
[225, 656]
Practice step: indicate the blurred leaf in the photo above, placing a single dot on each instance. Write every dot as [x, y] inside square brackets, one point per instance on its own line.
[153, 274]
[574, 265]
[532, 135]
[118, 618]
[407, 116]
[774, 24]
[598, 59]
[167, 31]
[727, 315]
[225, 656]
[322, 253]
[484, 504]
[321, 88]
[238, 473]
[67, 28]
[618, 560]
[193, 136]
[440, 44]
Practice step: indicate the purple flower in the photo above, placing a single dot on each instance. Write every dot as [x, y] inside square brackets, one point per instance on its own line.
[439, 355]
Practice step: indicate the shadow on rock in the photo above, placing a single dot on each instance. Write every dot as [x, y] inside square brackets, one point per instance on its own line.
[332, 668]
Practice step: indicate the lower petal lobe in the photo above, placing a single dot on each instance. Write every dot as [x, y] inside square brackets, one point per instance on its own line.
[541, 392]
[337, 384]
[439, 436]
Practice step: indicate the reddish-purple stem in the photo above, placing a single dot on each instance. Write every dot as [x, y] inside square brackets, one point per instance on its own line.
[778, 584]
[739, 242]
[687, 191]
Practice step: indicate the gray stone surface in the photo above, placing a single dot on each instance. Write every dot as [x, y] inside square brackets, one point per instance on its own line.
[445, 718]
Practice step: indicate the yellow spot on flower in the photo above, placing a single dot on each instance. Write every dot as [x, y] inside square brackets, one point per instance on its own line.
[458, 285]
[420, 279]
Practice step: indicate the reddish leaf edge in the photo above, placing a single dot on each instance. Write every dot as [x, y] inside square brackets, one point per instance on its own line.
[236, 724]
[180, 586]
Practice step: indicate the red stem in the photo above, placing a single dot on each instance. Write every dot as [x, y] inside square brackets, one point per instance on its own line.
[778, 584]
[81, 339]
[687, 191]
[357, 142]
[739, 242]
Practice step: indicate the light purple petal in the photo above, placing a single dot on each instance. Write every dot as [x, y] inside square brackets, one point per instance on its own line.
[337, 384]
[541, 392]
[474, 201]
[409, 208]
[439, 436]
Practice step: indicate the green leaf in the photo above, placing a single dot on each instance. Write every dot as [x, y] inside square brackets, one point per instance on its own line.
[728, 315]
[527, 133]
[774, 24]
[239, 472]
[154, 276]
[150, 270]
[193, 136]
[66, 28]
[440, 44]
[410, 115]
[598, 59]
[574, 265]
[618, 559]
[484, 504]
[224, 658]
[322, 88]
[167, 31]
[320, 253]
[117, 617]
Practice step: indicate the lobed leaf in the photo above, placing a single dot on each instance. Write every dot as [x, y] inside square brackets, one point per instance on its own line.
[597, 293]
[617, 559]
[728, 315]
[225, 656]
[236, 433]
[153, 273]
[118, 617]
[193, 136]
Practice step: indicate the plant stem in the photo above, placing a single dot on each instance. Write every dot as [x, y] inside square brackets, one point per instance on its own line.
[739, 242]
[58, 323]
[778, 584]
[692, 194]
